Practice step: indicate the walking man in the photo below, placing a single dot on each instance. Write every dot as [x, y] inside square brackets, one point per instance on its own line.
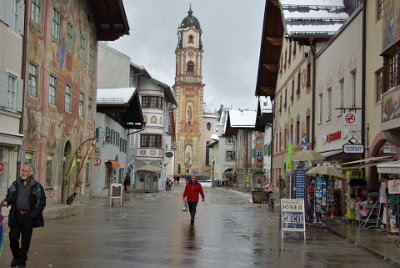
[27, 200]
[191, 196]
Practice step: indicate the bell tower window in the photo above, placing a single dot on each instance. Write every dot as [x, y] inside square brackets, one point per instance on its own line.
[190, 67]
[191, 39]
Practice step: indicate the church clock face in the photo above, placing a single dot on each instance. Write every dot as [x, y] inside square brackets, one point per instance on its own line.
[191, 54]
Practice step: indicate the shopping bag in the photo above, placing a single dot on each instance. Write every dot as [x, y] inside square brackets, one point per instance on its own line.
[1, 230]
[185, 207]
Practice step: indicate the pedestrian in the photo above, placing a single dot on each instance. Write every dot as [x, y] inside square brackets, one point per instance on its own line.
[282, 187]
[27, 200]
[177, 179]
[127, 183]
[191, 196]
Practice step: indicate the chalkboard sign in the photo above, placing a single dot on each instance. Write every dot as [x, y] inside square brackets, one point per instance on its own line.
[116, 192]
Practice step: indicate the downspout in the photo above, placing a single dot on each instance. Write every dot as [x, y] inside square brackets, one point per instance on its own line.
[23, 77]
[363, 71]
[312, 46]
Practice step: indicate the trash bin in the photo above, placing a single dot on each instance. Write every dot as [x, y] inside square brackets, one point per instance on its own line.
[257, 195]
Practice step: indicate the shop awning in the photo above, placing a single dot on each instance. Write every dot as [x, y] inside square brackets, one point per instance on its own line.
[389, 168]
[367, 162]
[114, 164]
[333, 153]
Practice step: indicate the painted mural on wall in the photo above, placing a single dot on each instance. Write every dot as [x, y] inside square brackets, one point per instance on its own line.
[49, 127]
[391, 106]
[391, 23]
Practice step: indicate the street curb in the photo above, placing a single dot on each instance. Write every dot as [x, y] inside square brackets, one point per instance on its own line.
[365, 248]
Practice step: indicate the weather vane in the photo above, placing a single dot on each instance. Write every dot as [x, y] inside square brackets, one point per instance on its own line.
[190, 4]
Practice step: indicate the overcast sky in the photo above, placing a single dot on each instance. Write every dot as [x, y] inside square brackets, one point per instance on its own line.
[231, 42]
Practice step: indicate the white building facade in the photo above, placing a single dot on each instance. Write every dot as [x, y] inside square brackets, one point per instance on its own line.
[11, 89]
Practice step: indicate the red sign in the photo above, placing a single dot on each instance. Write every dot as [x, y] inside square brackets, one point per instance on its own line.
[334, 136]
[350, 118]
[97, 161]
[1, 169]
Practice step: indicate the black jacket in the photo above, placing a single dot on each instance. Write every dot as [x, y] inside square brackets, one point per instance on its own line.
[37, 201]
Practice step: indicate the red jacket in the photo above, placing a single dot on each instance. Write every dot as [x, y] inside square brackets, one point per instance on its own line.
[192, 191]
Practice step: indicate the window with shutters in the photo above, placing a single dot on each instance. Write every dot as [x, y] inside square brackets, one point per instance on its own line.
[55, 24]
[81, 103]
[68, 98]
[70, 36]
[52, 90]
[33, 80]
[90, 109]
[12, 91]
[36, 10]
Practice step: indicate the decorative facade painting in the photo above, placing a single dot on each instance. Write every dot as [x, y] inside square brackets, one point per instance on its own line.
[188, 156]
[189, 112]
[391, 106]
[391, 23]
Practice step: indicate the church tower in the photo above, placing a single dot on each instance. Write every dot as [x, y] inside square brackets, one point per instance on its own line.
[188, 91]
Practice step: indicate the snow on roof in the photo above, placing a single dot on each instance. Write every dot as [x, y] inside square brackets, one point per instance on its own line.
[242, 118]
[115, 95]
[317, 17]
[214, 136]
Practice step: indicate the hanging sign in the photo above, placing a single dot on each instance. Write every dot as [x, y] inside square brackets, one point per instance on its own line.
[353, 148]
[351, 121]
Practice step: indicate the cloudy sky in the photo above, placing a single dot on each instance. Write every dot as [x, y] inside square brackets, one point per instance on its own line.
[231, 42]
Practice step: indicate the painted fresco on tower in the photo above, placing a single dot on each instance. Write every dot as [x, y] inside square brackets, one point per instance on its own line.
[189, 113]
[188, 156]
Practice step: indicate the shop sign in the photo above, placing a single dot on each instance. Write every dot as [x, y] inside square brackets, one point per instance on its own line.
[393, 186]
[169, 154]
[351, 121]
[334, 136]
[388, 148]
[292, 215]
[353, 148]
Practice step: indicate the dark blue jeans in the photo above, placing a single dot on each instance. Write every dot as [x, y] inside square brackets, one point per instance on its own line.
[192, 209]
[23, 227]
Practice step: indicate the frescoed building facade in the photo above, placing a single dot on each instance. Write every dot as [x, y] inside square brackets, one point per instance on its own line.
[189, 93]
[60, 89]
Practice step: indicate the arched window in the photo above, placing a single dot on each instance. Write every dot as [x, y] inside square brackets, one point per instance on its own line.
[190, 67]
[190, 39]
[208, 126]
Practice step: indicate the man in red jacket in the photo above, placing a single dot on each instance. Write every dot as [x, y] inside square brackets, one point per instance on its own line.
[191, 196]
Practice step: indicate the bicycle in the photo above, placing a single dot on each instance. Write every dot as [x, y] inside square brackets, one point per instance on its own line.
[269, 200]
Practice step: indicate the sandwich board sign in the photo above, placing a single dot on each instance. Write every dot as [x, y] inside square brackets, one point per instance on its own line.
[293, 216]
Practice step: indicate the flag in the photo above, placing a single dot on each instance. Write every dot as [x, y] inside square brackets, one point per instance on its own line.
[289, 155]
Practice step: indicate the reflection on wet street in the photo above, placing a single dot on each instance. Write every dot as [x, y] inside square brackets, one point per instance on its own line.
[150, 230]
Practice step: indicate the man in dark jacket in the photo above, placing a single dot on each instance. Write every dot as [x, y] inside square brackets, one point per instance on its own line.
[27, 200]
[191, 196]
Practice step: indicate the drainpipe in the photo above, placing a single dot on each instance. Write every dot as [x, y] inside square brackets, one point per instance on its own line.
[363, 66]
[23, 77]
[313, 51]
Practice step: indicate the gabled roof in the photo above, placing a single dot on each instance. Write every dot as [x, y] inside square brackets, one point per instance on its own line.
[270, 51]
[240, 119]
[303, 19]
[111, 21]
[122, 105]
[169, 96]
[115, 95]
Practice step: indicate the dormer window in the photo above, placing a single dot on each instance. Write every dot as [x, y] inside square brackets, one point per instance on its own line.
[190, 67]
[191, 39]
